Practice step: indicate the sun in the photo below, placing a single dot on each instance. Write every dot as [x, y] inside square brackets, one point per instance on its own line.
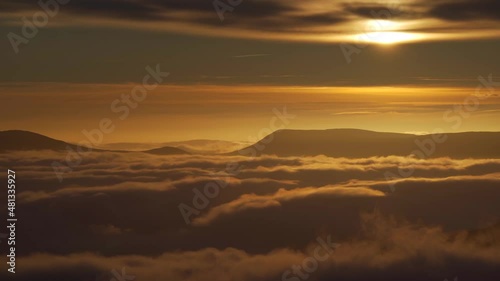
[385, 32]
[388, 38]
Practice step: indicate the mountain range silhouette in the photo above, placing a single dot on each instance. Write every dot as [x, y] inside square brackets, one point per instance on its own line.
[351, 143]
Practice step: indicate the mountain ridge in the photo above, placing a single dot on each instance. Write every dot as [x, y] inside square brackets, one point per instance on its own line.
[355, 143]
[350, 143]
[21, 140]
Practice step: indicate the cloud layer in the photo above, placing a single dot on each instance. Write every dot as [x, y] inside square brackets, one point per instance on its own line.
[305, 21]
[120, 210]
[387, 250]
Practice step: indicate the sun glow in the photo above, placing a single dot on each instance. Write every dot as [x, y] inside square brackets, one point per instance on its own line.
[387, 37]
[385, 32]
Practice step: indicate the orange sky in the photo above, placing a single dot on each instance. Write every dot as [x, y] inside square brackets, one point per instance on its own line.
[230, 69]
[176, 112]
